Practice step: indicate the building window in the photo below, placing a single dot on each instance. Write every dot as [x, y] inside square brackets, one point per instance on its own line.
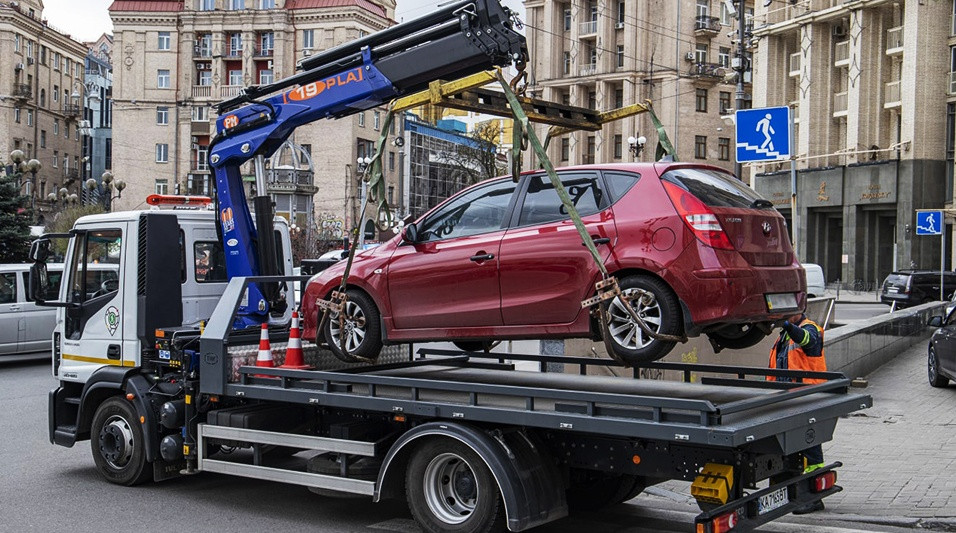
[162, 115]
[703, 8]
[592, 99]
[267, 4]
[620, 55]
[567, 62]
[162, 186]
[56, 93]
[620, 13]
[565, 148]
[76, 131]
[701, 100]
[618, 146]
[16, 42]
[235, 77]
[700, 147]
[163, 40]
[204, 78]
[56, 159]
[265, 76]
[391, 161]
[267, 43]
[723, 148]
[162, 153]
[235, 44]
[725, 17]
[66, 163]
[567, 19]
[56, 61]
[162, 79]
[56, 126]
[29, 117]
[700, 53]
[950, 146]
[236, 5]
[308, 39]
[725, 106]
[723, 57]
[361, 119]
[207, 5]
[376, 120]
[42, 97]
[16, 115]
[42, 138]
[589, 155]
[618, 98]
[200, 114]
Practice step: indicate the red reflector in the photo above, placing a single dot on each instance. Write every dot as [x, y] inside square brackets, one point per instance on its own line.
[724, 522]
[824, 481]
[698, 217]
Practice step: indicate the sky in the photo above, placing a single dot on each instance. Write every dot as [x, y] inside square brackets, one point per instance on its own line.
[86, 20]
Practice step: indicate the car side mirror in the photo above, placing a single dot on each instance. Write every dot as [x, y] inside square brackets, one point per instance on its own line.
[936, 321]
[39, 284]
[410, 233]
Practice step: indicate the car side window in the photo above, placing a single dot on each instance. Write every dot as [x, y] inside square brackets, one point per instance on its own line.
[480, 210]
[542, 203]
[53, 290]
[8, 288]
[618, 183]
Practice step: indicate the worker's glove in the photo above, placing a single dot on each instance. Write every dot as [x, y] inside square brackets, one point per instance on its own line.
[794, 331]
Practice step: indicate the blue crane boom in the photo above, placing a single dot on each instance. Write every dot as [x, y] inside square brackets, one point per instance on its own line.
[454, 41]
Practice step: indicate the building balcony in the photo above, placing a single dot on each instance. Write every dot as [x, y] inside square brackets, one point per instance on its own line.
[198, 166]
[840, 104]
[894, 41]
[841, 54]
[233, 52]
[794, 69]
[202, 91]
[202, 51]
[72, 110]
[228, 91]
[588, 70]
[263, 52]
[199, 127]
[707, 71]
[706, 26]
[197, 185]
[893, 96]
[22, 91]
[587, 28]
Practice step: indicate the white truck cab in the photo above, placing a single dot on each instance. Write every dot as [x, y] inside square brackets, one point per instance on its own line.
[169, 271]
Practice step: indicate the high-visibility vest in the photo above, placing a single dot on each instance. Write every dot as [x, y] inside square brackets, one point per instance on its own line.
[797, 359]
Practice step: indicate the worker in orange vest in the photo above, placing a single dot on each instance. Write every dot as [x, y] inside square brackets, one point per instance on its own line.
[800, 347]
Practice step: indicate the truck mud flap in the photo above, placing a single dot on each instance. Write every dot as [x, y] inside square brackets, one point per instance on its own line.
[766, 505]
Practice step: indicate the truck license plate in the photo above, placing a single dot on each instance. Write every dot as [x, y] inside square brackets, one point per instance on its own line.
[774, 500]
[782, 300]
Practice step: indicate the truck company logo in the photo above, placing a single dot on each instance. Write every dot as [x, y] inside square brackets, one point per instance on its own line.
[112, 319]
[228, 223]
[232, 242]
[231, 121]
[311, 90]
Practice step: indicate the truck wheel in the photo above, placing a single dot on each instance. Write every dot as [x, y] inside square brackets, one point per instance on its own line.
[118, 443]
[738, 336]
[450, 489]
[659, 310]
[363, 330]
[932, 368]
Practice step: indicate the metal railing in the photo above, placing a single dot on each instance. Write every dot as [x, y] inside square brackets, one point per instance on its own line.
[588, 70]
[841, 53]
[202, 91]
[707, 24]
[894, 39]
[263, 52]
[587, 28]
[72, 110]
[893, 94]
[840, 102]
[199, 166]
[707, 70]
[228, 91]
[202, 51]
[234, 52]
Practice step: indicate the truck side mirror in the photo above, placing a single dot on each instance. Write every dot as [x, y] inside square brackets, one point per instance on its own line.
[40, 250]
[410, 233]
[39, 284]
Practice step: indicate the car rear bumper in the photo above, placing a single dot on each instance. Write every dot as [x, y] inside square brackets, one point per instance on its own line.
[739, 295]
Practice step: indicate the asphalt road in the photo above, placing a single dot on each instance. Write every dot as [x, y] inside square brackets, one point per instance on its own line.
[51, 488]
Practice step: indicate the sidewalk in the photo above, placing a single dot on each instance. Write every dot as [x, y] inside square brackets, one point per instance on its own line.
[853, 297]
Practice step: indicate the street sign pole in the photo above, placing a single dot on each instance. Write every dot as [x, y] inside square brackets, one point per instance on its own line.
[795, 217]
[942, 258]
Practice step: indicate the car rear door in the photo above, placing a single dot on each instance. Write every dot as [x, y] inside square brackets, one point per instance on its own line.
[449, 278]
[10, 308]
[545, 268]
[944, 343]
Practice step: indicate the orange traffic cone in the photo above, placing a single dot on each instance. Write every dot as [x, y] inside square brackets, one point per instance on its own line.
[293, 354]
[264, 357]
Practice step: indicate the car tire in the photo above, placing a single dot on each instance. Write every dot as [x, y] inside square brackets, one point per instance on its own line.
[118, 444]
[661, 314]
[738, 336]
[932, 370]
[451, 489]
[363, 338]
[473, 346]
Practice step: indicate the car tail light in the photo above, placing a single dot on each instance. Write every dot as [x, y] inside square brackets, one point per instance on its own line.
[823, 482]
[698, 217]
[719, 524]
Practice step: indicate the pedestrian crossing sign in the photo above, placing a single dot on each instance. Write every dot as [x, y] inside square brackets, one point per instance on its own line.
[929, 222]
[763, 134]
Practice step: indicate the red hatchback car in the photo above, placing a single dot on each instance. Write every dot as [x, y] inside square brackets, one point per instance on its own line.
[502, 260]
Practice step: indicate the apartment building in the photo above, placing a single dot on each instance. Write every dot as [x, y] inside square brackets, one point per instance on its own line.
[176, 59]
[871, 88]
[604, 54]
[41, 92]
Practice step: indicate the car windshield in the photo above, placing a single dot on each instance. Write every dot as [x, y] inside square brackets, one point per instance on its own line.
[713, 187]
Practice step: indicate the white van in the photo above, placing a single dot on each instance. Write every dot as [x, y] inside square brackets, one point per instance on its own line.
[815, 282]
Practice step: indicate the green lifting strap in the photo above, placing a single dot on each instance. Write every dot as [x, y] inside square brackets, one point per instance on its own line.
[376, 178]
[664, 146]
[521, 120]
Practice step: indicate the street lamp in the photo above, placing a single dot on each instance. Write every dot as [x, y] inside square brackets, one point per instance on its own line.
[19, 167]
[636, 145]
[108, 185]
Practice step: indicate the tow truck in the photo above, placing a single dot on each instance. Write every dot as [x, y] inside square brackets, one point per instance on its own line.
[155, 369]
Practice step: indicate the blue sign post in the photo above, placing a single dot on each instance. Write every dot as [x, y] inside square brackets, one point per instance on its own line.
[763, 134]
[930, 222]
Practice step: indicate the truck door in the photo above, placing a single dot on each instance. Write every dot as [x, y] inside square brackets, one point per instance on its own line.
[93, 329]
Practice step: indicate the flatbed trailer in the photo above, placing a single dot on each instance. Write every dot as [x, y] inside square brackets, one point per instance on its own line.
[546, 442]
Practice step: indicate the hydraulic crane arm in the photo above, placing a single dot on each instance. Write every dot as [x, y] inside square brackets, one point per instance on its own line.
[457, 40]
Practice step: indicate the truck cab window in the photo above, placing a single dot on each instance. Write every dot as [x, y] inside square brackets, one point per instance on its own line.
[95, 266]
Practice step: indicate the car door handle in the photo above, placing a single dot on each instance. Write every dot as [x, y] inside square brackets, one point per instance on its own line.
[599, 240]
[14, 307]
[482, 257]
[113, 351]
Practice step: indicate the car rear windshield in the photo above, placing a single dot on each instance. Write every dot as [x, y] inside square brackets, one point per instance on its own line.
[897, 279]
[713, 187]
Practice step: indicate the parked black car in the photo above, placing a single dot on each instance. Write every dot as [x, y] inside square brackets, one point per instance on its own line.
[941, 363]
[913, 287]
